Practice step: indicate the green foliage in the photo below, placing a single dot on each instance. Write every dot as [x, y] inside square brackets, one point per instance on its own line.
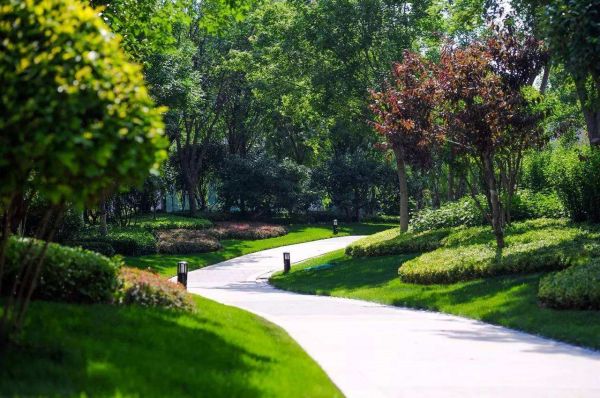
[463, 212]
[246, 230]
[103, 248]
[150, 290]
[528, 204]
[183, 241]
[171, 221]
[531, 246]
[75, 118]
[69, 274]
[128, 241]
[393, 241]
[574, 174]
[577, 287]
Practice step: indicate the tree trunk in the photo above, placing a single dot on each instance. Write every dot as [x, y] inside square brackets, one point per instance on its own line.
[103, 224]
[450, 182]
[192, 201]
[591, 113]
[494, 201]
[402, 180]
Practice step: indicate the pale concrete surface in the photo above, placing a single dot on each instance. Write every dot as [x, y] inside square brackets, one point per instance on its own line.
[371, 350]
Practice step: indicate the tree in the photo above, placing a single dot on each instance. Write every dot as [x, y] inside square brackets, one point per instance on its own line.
[488, 114]
[76, 122]
[405, 118]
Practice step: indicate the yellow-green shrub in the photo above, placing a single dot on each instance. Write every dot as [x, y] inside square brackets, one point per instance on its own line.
[577, 287]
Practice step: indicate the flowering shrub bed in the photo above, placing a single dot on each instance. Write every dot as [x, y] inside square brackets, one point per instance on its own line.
[183, 241]
[150, 290]
[246, 230]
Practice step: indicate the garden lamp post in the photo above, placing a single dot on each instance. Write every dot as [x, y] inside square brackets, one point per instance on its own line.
[335, 225]
[286, 262]
[182, 271]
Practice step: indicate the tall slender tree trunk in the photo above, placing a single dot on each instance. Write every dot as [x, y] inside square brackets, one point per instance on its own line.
[402, 180]
[494, 200]
[591, 112]
[103, 223]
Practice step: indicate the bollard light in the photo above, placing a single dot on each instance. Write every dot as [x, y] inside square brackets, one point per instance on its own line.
[335, 225]
[286, 262]
[182, 271]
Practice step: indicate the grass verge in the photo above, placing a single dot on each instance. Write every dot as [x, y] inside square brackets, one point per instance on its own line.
[166, 264]
[509, 301]
[103, 350]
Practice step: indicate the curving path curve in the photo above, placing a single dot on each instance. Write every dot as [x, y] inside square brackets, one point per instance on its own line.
[371, 350]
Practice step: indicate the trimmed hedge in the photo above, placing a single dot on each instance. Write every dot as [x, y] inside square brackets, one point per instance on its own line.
[463, 212]
[103, 248]
[392, 241]
[150, 290]
[577, 287]
[170, 221]
[69, 274]
[531, 246]
[246, 230]
[184, 241]
[128, 241]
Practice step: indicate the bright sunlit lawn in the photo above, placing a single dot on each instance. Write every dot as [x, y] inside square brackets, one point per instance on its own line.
[103, 350]
[508, 301]
[166, 264]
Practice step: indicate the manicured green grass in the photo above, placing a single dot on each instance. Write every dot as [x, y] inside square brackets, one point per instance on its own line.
[102, 350]
[166, 264]
[509, 301]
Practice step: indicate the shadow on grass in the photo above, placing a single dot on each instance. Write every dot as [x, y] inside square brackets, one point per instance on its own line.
[105, 351]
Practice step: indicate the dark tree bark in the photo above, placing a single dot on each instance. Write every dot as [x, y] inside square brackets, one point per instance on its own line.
[402, 180]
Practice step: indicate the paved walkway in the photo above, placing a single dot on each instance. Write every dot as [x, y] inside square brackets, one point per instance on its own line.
[372, 350]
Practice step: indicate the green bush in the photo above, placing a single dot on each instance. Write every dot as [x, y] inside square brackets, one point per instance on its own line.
[128, 241]
[392, 241]
[150, 290]
[170, 221]
[185, 241]
[103, 248]
[531, 246]
[577, 287]
[452, 214]
[68, 274]
[528, 204]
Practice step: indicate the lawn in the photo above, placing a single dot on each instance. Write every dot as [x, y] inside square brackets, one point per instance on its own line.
[166, 264]
[509, 301]
[103, 350]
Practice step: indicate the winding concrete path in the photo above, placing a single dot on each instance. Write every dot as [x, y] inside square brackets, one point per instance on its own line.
[372, 350]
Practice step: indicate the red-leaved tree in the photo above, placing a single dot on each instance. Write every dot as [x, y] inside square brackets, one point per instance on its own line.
[404, 117]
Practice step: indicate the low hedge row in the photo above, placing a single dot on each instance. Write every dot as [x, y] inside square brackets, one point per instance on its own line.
[392, 241]
[184, 241]
[170, 221]
[577, 287]
[246, 230]
[127, 241]
[532, 246]
[69, 274]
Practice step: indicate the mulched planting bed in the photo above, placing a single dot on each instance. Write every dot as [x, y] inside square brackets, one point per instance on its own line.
[245, 230]
[183, 241]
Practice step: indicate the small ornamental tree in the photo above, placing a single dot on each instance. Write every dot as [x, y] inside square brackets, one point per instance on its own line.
[75, 123]
[488, 112]
[404, 117]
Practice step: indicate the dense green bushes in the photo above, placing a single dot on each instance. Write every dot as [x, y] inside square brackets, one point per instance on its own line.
[170, 221]
[69, 274]
[128, 241]
[246, 230]
[532, 246]
[392, 241]
[576, 287]
[451, 214]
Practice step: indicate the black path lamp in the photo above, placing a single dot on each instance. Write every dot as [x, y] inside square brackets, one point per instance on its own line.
[286, 262]
[335, 225]
[182, 271]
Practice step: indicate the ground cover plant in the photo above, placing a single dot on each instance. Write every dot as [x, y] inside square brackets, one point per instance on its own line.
[576, 287]
[106, 350]
[166, 264]
[246, 230]
[170, 221]
[509, 300]
[128, 241]
[185, 241]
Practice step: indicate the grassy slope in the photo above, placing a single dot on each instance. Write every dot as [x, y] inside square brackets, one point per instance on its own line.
[101, 350]
[509, 301]
[166, 264]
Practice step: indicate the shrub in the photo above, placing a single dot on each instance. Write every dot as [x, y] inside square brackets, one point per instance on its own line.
[103, 248]
[128, 241]
[150, 290]
[392, 241]
[537, 245]
[170, 221]
[452, 214]
[577, 287]
[529, 205]
[183, 241]
[246, 230]
[69, 274]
